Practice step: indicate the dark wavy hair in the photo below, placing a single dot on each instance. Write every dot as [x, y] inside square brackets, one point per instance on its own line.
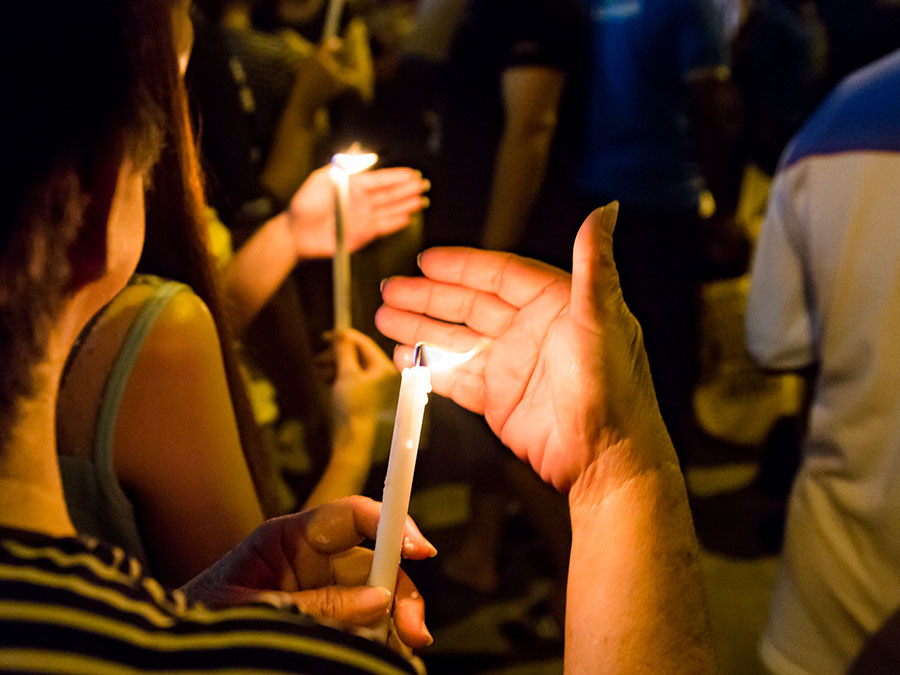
[76, 87]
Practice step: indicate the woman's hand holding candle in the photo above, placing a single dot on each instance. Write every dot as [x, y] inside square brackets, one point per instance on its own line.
[381, 202]
[312, 560]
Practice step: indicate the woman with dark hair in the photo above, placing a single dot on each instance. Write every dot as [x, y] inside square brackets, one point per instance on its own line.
[71, 230]
[156, 434]
[135, 435]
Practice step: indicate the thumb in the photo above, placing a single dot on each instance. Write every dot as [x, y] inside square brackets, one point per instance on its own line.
[355, 606]
[331, 45]
[345, 355]
[595, 280]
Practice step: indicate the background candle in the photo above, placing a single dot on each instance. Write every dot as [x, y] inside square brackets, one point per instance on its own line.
[343, 165]
[332, 19]
[414, 387]
[340, 264]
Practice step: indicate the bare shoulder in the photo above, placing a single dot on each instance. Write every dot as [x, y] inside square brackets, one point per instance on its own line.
[83, 384]
[179, 376]
[184, 330]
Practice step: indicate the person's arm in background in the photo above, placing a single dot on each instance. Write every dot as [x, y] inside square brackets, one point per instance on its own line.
[291, 159]
[531, 99]
[382, 202]
[363, 382]
[563, 381]
[357, 57]
[335, 67]
[715, 118]
[778, 321]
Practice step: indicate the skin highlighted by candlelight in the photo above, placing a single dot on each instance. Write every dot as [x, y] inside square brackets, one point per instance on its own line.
[434, 358]
[344, 165]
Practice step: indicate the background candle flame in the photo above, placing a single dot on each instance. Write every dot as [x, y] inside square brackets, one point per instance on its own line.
[436, 359]
[354, 161]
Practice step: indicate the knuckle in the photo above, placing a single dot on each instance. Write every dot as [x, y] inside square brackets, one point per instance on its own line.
[333, 602]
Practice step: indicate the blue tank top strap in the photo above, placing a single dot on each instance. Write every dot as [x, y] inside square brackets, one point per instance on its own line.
[118, 380]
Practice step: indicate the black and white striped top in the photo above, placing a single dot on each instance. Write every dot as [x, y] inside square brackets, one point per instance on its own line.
[74, 605]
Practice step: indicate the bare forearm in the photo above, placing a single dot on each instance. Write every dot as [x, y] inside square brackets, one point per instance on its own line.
[349, 466]
[715, 119]
[635, 594]
[258, 269]
[291, 158]
[518, 176]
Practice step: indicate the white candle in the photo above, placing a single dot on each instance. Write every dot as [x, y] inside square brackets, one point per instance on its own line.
[414, 387]
[340, 264]
[332, 19]
[343, 165]
[415, 384]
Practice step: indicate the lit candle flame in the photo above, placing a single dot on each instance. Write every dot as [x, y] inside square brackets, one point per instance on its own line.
[436, 359]
[354, 161]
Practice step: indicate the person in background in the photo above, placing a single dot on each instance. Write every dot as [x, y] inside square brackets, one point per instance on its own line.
[155, 434]
[510, 74]
[661, 126]
[823, 301]
[259, 105]
[778, 60]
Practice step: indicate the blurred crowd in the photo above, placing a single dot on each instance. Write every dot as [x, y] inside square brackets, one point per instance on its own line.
[212, 392]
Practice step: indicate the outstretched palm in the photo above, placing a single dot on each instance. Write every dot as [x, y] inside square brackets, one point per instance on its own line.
[381, 202]
[564, 377]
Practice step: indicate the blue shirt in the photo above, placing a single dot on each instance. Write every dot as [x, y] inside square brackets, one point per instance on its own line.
[637, 149]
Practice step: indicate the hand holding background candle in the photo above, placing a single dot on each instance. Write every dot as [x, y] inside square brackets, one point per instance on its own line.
[343, 165]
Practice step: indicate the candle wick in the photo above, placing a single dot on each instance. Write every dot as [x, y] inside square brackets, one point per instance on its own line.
[419, 355]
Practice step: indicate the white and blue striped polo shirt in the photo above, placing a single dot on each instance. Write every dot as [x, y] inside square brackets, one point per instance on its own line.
[825, 292]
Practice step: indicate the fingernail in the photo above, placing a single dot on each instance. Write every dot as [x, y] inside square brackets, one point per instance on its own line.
[381, 285]
[409, 548]
[419, 261]
[426, 184]
[426, 202]
[428, 633]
